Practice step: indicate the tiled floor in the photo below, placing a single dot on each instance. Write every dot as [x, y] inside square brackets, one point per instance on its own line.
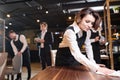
[35, 67]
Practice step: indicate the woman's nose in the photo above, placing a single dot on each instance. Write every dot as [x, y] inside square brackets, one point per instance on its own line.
[90, 25]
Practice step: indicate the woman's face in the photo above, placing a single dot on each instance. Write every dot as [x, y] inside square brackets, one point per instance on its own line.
[12, 36]
[86, 22]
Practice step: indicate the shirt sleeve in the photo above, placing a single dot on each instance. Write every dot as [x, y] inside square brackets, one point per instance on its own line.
[23, 40]
[14, 48]
[75, 51]
[88, 47]
[92, 40]
[99, 33]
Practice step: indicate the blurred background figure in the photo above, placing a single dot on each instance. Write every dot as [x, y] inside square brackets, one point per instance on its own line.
[20, 47]
[96, 40]
[44, 43]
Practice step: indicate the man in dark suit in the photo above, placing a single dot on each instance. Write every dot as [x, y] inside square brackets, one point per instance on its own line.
[45, 41]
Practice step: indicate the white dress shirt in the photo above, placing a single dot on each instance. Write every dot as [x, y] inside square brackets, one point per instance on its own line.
[23, 40]
[42, 37]
[69, 40]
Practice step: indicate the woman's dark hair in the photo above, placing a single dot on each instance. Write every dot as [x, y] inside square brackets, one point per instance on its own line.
[86, 11]
[11, 31]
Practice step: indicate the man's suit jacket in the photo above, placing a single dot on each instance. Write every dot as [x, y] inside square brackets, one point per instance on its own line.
[48, 41]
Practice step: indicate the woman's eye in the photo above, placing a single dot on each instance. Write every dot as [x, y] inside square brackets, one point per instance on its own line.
[87, 21]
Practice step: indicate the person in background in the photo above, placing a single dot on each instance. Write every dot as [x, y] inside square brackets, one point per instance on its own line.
[96, 40]
[69, 53]
[20, 47]
[45, 41]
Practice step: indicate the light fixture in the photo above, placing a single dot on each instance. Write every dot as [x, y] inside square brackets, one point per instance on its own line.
[65, 11]
[24, 14]
[10, 23]
[38, 20]
[8, 15]
[97, 8]
[69, 17]
[40, 7]
[6, 27]
[57, 33]
[46, 11]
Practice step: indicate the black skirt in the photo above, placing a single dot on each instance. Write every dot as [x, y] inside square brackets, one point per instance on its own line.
[26, 57]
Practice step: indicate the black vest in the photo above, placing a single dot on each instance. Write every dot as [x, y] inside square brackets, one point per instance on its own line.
[26, 53]
[18, 44]
[64, 56]
[80, 40]
[93, 35]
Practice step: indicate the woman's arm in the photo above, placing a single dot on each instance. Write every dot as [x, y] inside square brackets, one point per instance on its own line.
[70, 38]
[89, 50]
[24, 41]
[14, 48]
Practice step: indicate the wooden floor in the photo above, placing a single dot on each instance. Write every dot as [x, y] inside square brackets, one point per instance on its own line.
[70, 73]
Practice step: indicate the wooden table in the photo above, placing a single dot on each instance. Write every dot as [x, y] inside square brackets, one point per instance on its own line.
[70, 73]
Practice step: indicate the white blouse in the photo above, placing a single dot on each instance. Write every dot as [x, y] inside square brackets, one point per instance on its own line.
[69, 40]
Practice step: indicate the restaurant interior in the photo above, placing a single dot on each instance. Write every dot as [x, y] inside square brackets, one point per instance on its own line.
[24, 16]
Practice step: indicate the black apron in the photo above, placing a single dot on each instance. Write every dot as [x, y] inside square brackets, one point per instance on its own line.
[25, 54]
[96, 47]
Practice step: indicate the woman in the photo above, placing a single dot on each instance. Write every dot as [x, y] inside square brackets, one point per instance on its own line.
[20, 47]
[69, 53]
[96, 40]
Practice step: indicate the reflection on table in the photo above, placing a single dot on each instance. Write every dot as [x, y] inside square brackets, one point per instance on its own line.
[70, 73]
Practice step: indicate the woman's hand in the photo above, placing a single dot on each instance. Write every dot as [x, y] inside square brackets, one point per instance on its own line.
[19, 53]
[105, 70]
[97, 38]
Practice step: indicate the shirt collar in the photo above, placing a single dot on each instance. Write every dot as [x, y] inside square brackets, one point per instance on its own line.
[76, 27]
[16, 37]
[94, 30]
[44, 31]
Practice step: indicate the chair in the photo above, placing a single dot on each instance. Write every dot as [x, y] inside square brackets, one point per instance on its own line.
[3, 60]
[16, 67]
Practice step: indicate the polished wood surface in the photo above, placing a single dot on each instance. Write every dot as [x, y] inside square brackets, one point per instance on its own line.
[70, 73]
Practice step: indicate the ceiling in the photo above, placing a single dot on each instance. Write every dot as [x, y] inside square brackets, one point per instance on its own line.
[25, 13]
